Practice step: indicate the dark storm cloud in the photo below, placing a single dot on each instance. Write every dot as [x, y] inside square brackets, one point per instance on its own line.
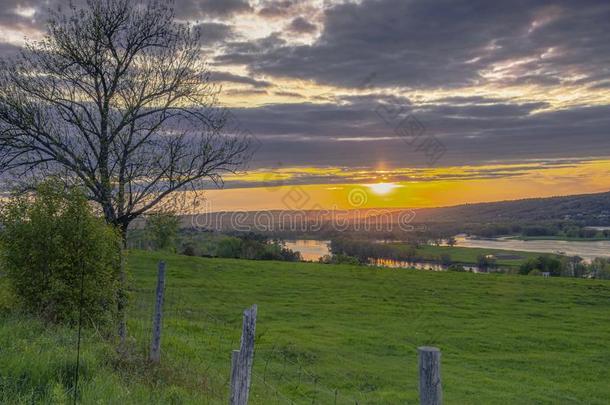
[327, 134]
[358, 117]
[447, 43]
[416, 43]
[301, 25]
[246, 52]
[185, 9]
[212, 33]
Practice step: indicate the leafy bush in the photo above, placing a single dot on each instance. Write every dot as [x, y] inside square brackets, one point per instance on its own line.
[229, 247]
[544, 263]
[255, 247]
[339, 259]
[49, 241]
[189, 250]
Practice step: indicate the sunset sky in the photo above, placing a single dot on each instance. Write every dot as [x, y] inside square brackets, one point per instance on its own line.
[400, 103]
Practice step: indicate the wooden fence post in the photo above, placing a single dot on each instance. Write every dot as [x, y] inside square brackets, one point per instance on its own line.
[430, 388]
[242, 359]
[155, 346]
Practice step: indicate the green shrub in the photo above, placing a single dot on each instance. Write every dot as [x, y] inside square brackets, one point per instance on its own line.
[162, 230]
[544, 263]
[339, 259]
[189, 250]
[229, 247]
[48, 241]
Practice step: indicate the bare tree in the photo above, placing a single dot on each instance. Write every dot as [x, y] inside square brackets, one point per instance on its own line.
[116, 98]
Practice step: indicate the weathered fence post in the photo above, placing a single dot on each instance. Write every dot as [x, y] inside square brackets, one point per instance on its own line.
[242, 359]
[155, 346]
[430, 388]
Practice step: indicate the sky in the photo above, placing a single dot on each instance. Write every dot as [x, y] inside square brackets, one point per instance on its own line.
[401, 103]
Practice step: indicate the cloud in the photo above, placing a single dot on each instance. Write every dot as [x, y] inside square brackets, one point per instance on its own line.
[391, 46]
[448, 43]
[212, 32]
[301, 25]
[276, 9]
[194, 9]
[232, 78]
[245, 52]
[9, 50]
[292, 94]
[280, 174]
[246, 92]
[351, 132]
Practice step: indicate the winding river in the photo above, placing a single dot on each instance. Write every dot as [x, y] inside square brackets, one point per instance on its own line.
[312, 249]
[588, 250]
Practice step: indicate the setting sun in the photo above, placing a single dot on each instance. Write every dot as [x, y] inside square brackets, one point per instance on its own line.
[382, 188]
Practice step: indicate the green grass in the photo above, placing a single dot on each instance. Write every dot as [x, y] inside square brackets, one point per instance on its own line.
[467, 255]
[505, 339]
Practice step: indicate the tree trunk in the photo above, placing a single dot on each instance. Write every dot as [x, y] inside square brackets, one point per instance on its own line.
[122, 292]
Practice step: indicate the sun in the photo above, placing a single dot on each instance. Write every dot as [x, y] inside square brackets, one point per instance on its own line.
[382, 188]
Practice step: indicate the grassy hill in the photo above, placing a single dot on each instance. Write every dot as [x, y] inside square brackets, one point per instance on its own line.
[327, 332]
[589, 208]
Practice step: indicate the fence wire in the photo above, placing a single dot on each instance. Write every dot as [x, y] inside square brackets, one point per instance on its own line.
[199, 340]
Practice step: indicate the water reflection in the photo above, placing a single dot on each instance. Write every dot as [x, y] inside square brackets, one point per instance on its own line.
[402, 264]
[311, 250]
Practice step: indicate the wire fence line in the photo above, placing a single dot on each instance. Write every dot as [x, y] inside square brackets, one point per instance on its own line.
[197, 335]
[199, 342]
[282, 373]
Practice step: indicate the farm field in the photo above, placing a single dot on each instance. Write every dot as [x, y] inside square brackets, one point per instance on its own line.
[468, 255]
[326, 334]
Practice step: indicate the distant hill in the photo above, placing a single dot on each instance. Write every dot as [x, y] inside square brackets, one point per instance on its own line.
[585, 209]
[592, 209]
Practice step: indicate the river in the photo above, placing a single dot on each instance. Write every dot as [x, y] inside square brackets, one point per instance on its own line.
[588, 250]
[312, 249]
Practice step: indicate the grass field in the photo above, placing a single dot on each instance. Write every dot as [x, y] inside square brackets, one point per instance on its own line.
[467, 255]
[327, 332]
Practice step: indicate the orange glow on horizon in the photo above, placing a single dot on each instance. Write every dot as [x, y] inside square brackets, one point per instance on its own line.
[440, 187]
